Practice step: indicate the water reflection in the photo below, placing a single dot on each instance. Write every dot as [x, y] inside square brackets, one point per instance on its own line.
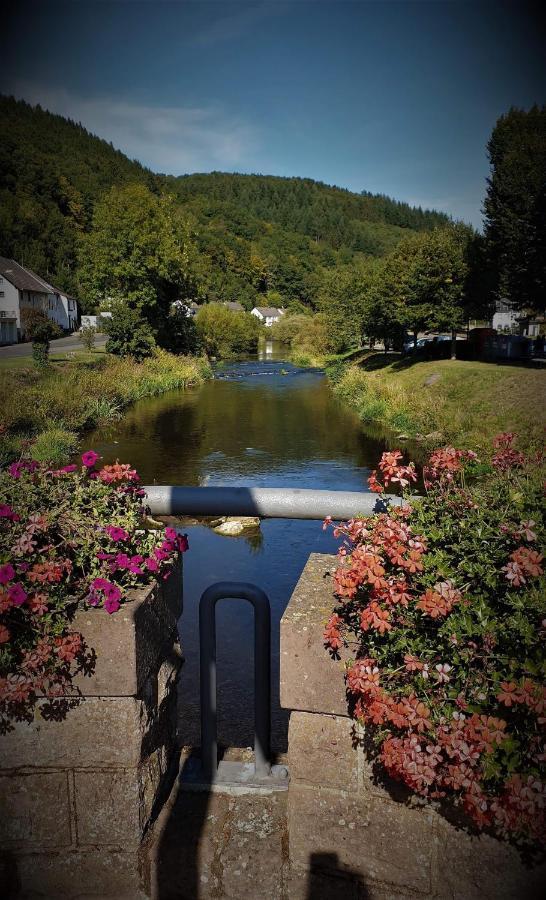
[263, 423]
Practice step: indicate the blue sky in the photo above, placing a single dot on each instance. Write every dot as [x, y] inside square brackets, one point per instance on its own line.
[392, 97]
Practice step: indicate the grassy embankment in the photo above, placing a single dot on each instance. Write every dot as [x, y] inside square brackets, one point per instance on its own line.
[52, 408]
[466, 403]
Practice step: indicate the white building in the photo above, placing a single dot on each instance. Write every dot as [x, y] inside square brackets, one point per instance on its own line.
[505, 318]
[268, 315]
[20, 288]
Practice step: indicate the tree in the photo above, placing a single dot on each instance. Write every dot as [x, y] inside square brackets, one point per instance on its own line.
[515, 207]
[128, 334]
[40, 329]
[138, 253]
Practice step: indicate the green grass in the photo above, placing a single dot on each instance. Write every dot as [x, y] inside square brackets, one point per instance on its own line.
[53, 406]
[467, 402]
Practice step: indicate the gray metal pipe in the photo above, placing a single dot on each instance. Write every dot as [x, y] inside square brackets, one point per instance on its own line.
[268, 503]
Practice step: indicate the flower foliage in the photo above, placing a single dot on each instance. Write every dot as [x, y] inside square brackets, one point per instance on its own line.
[70, 537]
[442, 600]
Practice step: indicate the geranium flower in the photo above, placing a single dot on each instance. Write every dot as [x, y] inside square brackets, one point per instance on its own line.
[4, 634]
[443, 670]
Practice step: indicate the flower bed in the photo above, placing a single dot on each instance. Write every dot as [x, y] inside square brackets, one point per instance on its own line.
[69, 538]
[443, 601]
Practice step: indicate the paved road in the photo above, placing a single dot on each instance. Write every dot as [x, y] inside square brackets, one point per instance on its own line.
[72, 342]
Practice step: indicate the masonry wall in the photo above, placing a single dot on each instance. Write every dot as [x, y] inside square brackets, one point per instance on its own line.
[80, 790]
[342, 820]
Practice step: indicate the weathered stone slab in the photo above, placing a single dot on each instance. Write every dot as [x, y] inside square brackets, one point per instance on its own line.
[35, 810]
[321, 751]
[377, 840]
[105, 731]
[91, 873]
[310, 680]
[107, 808]
[133, 640]
[482, 868]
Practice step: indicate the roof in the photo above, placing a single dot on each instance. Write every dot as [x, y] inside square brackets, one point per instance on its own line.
[22, 278]
[268, 312]
[234, 305]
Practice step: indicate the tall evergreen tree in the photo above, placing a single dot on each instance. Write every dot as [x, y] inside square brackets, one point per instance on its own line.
[515, 207]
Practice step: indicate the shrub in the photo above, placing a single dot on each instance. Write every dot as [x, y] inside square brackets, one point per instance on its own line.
[69, 538]
[54, 445]
[40, 329]
[128, 334]
[87, 335]
[445, 598]
[225, 333]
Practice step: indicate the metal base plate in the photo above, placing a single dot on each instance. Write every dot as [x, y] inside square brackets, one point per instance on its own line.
[233, 778]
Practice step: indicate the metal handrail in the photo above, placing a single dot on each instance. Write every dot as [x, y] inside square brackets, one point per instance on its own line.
[262, 674]
[267, 503]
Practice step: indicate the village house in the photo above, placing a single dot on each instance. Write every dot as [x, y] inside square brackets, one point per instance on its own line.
[20, 289]
[268, 315]
[234, 306]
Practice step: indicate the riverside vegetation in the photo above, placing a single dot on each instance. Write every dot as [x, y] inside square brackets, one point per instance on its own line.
[48, 409]
[453, 400]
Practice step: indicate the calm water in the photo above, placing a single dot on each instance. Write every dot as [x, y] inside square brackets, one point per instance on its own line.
[260, 423]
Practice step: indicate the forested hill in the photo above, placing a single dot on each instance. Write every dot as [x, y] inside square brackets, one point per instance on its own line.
[52, 171]
[254, 234]
[333, 215]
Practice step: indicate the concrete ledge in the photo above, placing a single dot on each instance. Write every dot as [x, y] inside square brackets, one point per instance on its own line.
[310, 680]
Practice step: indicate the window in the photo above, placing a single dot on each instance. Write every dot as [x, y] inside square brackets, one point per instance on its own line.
[2, 294]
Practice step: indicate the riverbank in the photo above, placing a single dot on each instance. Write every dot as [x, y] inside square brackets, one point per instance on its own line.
[54, 407]
[454, 401]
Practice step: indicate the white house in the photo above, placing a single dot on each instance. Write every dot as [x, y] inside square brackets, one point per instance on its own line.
[187, 309]
[267, 315]
[505, 317]
[21, 288]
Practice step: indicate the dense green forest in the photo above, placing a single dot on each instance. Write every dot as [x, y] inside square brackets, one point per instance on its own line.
[244, 236]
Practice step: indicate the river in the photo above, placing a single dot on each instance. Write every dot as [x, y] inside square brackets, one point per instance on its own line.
[262, 423]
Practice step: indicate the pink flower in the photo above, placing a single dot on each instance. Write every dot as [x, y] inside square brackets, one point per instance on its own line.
[89, 458]
[28, 465]
[116, 533]
[7, 573]
[6, 512]
[111, 605]
[182, 543]
[151, 564]
[16, 594]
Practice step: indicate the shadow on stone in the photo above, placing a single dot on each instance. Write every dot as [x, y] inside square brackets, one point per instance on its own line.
[327, 880]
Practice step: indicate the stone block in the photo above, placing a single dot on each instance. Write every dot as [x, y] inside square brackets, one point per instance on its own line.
[310, 680]
[89, 873]
[378, 841]
[97, 731]
[321, 751]
[35, 810]
[107, 808]
[483, 868]
[131, 644]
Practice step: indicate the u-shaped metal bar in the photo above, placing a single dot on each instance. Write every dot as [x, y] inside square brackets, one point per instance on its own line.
[262, 673]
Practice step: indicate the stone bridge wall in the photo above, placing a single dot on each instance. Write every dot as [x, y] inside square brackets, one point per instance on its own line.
[342, 824]
[78, 796]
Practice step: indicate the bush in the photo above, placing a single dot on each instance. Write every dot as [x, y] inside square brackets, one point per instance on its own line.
[446, 600]
[87, 335]
[69, 538]
[179, 334]
[224, 333]
[54, 445]
[40, 329]
[128, 334]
